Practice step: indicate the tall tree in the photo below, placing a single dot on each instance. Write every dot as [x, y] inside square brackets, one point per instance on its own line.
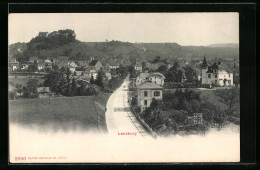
[74, 87]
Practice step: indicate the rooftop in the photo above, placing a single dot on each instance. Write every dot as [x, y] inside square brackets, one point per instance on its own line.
[93, 63]
[156, 74]
[149, 85]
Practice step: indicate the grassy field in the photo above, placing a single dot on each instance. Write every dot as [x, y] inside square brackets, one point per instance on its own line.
[64, 113]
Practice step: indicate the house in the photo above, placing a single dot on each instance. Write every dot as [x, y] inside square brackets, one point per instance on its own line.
[216, 74]
[72, 66]
[14, 65]
[114, 65]
[154, 77]
[61, 61]
[141, 78]
[82, 63]
[43, 34]
[96, 63]
[25, 66]
[91, 71]
[41, 65]
[48, 64]
[146, 92]
[138, 66]
[33, 59]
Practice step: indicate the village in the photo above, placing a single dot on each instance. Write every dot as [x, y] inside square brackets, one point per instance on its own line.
[150, 83]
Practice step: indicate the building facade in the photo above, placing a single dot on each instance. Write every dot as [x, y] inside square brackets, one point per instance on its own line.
[216, 74]
[146, 92]
[154, 77]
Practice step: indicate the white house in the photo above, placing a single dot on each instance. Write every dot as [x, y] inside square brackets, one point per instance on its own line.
[154, 77]
[216, 74]
[146, 92]
[138, 66]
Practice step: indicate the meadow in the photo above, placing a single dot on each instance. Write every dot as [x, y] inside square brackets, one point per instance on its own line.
[57, 114]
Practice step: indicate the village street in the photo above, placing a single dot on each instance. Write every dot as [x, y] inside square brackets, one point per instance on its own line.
[120, 120]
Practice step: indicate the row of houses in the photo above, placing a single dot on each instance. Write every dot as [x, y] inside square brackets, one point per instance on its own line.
[150, 85]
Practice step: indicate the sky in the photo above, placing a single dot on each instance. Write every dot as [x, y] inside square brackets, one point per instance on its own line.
[197, 29]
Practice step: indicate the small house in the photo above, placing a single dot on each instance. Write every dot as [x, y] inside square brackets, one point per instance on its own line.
[96, 63]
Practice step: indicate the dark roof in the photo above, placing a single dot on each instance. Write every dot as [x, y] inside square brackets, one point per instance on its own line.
[219, 66]
[204, 64]
[149, 85]
[93, 63]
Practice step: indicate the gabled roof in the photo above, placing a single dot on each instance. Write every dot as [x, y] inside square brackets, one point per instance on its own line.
[144, 75]
[148, 85]
[156, 74]
[93, 63]
[218, 66]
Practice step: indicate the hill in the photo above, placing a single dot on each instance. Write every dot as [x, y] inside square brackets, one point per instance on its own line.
[227, 45]
[63, 42]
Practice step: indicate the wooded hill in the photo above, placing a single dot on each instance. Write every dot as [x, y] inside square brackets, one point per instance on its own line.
[60, 45]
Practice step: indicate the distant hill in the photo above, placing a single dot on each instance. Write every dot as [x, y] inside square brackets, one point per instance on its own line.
[227, 45]
[58, 43]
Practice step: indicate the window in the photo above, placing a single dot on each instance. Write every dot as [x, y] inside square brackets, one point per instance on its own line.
[145, 102]
[228, 75]
[229, 81]
[216, 76]
[145, 93]
[209, 76]
[156, 93]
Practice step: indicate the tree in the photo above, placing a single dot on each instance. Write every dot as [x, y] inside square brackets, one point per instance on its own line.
[100, 77]
[74, 87]
[132, 71]
[33, 68]
[47, 69]
[62, 87]
[91, 90]
[176, 65]
[229, 97]
[53, 80]
[55, 68]
[170, 76]
[32, 85]
[163, 69]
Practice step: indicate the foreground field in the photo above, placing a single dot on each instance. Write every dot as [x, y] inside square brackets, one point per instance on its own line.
[65, 113]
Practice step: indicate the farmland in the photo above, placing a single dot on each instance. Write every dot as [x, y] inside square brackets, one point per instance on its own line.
[57, 114]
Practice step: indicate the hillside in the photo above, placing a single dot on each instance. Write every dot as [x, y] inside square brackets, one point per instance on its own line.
[53, 46]
[227, 45]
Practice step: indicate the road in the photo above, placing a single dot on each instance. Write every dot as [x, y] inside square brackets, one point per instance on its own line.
[119, 117]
